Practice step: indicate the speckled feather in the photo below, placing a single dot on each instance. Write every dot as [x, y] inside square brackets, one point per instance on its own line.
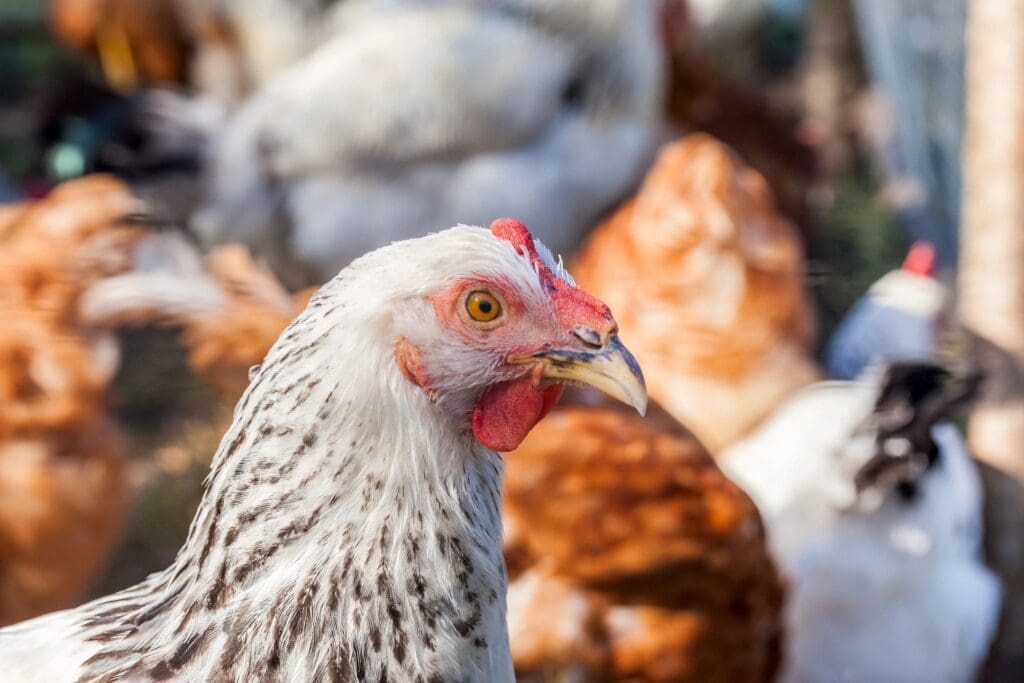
[350, 528]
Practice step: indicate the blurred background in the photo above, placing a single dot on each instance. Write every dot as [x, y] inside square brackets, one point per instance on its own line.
[768, 193]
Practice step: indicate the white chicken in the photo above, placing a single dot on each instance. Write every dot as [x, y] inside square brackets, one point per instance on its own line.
[873, 508]
[900, 318]
[417, 115]
[351, 525]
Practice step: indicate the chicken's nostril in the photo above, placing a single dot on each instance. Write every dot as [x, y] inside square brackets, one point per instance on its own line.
[589, 336]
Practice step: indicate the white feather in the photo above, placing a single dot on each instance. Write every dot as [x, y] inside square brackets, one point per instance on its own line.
[895, 594]
[167, 277]
[418, 115]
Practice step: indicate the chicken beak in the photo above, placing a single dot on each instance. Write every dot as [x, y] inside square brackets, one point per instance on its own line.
[611, 369]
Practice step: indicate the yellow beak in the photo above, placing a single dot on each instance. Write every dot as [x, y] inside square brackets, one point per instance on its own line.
[611, 369]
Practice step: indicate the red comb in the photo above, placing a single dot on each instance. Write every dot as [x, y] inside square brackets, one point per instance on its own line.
[514, 232]
[571, 303]
[920, 259]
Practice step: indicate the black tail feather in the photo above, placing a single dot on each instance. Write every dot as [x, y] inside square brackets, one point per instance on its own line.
[914, 398]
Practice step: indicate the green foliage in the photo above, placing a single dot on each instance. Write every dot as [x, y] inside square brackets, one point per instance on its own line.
[858, 241]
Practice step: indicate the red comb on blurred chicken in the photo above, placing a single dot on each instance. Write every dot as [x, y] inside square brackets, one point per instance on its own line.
[900, 318]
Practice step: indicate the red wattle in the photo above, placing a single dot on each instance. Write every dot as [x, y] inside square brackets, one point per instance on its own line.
[508, 411]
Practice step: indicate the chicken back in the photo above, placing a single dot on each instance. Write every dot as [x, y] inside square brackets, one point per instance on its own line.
[633, 557]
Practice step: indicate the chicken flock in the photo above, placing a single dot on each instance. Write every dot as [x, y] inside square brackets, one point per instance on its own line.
[683, 580]
[759, 524]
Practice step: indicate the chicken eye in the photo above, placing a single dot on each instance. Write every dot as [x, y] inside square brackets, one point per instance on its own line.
[483, 307]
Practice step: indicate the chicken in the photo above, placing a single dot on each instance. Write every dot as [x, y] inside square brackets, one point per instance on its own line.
[350, 527]
[873, 508]
[900, 318]
[633, 558]
[709, 282]
[231, 311]
[546, 110]
[62, 490]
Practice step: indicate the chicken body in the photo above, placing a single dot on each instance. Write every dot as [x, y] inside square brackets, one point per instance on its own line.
[62, 491]
[351, 524]
[709, 279]
[546, 110]
[887, 583]
[633, 558]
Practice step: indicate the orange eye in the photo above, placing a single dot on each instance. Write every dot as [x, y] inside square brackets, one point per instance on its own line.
[483, 307]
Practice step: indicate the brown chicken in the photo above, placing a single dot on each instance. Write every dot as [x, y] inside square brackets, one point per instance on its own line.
[633, 558]
[706, 279]
[231, 309]
[62, 490]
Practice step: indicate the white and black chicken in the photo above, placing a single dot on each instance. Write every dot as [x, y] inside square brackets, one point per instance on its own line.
[418, 114]
[900, 318]
[873, 508]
